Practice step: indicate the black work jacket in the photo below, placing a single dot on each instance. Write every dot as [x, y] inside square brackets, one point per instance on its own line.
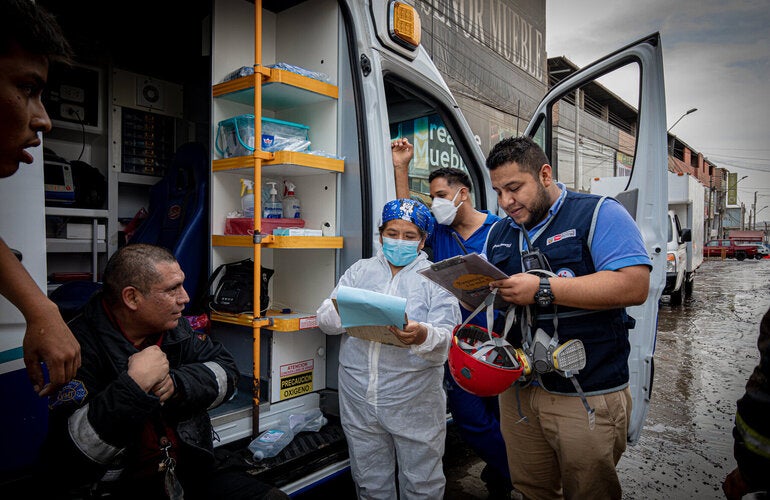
[96, 420]
[752, 429]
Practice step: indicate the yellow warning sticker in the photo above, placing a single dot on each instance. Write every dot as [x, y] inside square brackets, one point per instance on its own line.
[296, 385]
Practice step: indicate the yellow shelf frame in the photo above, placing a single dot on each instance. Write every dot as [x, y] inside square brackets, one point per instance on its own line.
[244, 85]
[274, 88]
[280, 159]
[273, 320]
[241, 319]
[271, 241]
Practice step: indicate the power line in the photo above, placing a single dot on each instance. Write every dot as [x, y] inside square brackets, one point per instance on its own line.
[732, 164]
[740, 149]
[738, 157]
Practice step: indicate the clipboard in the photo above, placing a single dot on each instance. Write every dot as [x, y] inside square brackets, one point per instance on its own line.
[374, 333]
[467, 277]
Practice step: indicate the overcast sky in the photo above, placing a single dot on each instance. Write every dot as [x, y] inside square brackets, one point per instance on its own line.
[716, 55]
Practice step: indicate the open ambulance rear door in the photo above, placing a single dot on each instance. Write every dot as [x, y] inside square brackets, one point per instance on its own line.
[646, 192]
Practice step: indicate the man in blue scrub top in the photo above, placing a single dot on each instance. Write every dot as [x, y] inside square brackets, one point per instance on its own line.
[461, 229]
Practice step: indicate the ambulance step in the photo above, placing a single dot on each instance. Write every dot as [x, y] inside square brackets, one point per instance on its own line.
[307, 453]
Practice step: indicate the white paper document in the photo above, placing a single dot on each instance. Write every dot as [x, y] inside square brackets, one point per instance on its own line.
[368, 315]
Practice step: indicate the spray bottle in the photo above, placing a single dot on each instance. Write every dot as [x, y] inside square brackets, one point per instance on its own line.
[291, 207]
[273, 208]
[247, 198]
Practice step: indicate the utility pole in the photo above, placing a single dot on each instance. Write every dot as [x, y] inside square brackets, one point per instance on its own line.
[720, 194]
[754, 211]
[576, 173]
[707, 235]
[743, 215]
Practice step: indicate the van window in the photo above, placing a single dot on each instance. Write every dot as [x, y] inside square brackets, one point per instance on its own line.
[419, 120]
[594, 129]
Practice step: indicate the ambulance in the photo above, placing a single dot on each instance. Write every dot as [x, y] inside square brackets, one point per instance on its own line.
[341, 79]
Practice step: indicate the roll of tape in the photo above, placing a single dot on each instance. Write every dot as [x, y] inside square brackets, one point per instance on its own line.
[327, 229]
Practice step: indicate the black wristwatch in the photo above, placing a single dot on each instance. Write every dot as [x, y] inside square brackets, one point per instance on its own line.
[544, 296]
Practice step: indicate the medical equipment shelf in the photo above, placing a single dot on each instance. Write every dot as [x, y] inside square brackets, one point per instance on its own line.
[271, 241]
[283, 95]
[289, 163]
[280, 89]
[93, 245]
[276, 321]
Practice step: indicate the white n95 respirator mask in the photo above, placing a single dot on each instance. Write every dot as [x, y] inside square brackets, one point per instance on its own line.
[445, 210]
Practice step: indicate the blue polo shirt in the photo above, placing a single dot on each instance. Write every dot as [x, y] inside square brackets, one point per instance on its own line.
[444, 245]
[612, 219]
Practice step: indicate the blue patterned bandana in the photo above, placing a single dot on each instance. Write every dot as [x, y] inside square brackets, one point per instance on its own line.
[411, 211]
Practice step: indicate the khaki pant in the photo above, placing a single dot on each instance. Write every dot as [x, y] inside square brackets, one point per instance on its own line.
[554, 454]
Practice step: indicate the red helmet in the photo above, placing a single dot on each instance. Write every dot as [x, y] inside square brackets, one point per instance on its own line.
[482, 364]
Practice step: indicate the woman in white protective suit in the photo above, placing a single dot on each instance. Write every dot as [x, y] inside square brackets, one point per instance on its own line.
[392, 402]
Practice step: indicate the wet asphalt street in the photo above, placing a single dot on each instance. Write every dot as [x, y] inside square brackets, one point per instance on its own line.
[705, 351]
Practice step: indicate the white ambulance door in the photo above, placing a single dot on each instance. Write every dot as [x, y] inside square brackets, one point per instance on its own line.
[22, 227]
[641, 148]
[393, 91]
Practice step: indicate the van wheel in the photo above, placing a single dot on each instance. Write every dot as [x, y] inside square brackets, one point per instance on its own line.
[676, 297]
[740, 256]
[758, 257]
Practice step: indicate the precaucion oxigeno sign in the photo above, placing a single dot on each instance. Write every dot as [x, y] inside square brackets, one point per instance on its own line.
[296, 379]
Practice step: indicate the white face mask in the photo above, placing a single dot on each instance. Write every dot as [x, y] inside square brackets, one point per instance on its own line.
[445, 210]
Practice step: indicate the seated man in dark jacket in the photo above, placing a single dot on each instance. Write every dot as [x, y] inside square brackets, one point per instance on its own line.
[133, 421]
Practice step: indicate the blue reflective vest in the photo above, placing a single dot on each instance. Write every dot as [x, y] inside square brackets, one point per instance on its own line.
[565, 241]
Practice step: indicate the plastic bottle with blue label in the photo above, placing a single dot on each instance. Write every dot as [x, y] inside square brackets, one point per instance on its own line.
[291, 206]
[273, 440]
[273, 208]
[247, 198]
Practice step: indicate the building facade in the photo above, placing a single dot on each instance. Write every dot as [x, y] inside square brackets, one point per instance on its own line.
[492, 55]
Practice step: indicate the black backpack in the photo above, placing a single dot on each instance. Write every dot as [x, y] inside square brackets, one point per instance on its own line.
[235, 290]
[90, 185]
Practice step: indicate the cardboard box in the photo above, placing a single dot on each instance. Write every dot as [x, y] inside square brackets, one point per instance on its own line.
[293, 321]
[245, 225]
[290, 231]
[77, 231]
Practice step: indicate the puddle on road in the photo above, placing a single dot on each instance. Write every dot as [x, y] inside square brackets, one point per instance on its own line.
[706, 350]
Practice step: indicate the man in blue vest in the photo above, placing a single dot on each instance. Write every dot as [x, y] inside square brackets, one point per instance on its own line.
[461, 229]
[564, 436]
